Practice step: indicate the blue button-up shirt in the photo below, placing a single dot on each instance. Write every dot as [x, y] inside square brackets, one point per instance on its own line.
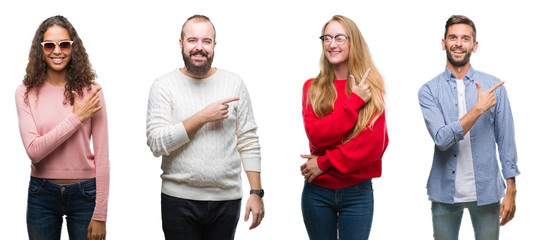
[439, 103]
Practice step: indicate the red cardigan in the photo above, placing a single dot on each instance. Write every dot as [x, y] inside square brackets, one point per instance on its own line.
[346, 164]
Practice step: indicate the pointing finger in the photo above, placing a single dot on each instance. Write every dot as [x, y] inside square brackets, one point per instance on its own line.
[232, 99]
[95, 92]
[496, 86]
[365, 76]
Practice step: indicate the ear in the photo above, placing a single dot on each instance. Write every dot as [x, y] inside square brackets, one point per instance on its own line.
[214, 44]
[476, 44]
[180, 43]
[443, 44]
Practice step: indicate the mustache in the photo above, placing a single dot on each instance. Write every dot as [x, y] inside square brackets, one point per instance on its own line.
[458, 48]
[203, 53]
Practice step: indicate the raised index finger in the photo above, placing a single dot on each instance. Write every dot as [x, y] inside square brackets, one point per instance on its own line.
[232, 99]
[496, 86]
[365, 76]
[95, 92]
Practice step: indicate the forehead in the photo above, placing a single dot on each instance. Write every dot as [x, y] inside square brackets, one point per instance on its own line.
[56, 33]
[334, 27]
[198, 29]
[460, 29]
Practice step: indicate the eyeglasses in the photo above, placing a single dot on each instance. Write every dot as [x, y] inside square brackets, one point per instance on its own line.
[340, 39]
[63, 45]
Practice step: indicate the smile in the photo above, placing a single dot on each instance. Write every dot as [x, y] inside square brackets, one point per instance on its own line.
[57, 60]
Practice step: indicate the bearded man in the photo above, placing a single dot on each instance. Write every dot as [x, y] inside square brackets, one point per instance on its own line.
[467, 114]
[200, 120]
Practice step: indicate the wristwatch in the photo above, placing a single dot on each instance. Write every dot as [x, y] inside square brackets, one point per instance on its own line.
[258, 192]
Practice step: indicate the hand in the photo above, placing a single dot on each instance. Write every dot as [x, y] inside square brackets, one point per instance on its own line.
[508, 207]
[362, 89]
[486, 100]
[254, 205]
[217, 110]
[310, 170]
[96, 230]
[84, 109]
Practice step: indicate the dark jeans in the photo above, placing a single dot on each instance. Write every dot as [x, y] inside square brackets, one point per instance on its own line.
[192, 220]
[49, 202]
[345, 213]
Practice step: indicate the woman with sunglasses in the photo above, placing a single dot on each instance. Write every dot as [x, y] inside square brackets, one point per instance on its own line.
[343, 113]
[61, 112]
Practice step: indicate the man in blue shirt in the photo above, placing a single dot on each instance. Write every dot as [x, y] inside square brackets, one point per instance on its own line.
[467, 114]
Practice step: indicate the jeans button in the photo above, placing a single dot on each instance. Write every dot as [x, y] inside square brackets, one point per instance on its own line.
[62, 188]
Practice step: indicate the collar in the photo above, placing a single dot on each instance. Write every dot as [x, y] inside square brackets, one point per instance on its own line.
[449, 76]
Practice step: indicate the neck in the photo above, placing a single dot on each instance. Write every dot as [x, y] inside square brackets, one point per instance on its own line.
[56, 78]
[191, 75]
[341, 71]
[459, 72]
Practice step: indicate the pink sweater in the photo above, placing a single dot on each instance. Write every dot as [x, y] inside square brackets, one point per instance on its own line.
[58, 143]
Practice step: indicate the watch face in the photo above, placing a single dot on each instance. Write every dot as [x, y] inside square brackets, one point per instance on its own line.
[258, 192]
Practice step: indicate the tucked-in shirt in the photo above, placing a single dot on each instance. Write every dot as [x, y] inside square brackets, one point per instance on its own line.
[58, 144]
[439, 103]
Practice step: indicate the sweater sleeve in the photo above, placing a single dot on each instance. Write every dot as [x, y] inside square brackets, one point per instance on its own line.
[328, 130]
[164, 134]
[99, 132]
[361, 151]
[38, 145]
[247, 140]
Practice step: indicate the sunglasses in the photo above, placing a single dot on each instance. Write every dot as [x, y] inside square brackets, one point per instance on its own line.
[63, 45]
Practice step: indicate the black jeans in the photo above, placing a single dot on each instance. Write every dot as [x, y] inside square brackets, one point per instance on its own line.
[192, 220]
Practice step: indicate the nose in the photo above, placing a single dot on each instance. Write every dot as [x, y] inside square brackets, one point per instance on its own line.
[57, 49]
[458, 42]
[333, 44]
[198, 45]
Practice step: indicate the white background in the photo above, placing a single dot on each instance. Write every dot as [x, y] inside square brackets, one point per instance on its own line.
[274, 46]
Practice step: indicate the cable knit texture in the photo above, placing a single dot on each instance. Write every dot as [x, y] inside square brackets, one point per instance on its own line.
[208, 166]
[59, 144]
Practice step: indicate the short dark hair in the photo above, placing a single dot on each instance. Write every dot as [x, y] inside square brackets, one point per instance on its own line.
[460, 19]
[197, 17]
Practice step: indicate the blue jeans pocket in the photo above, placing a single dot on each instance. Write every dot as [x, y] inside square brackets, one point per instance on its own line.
[34, 187]
[364, 187]
[89, 191]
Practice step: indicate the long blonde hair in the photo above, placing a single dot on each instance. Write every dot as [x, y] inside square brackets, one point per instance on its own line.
[322, 92]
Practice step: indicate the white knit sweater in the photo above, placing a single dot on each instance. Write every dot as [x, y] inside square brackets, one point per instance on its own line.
[207, 167]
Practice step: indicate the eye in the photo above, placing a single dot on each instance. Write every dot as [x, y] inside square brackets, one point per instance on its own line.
[340, 38]
[326, 38]
[191, 40]
[207, 41]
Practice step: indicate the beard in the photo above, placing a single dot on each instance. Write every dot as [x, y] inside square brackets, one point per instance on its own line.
[461, 62]
[194, 69]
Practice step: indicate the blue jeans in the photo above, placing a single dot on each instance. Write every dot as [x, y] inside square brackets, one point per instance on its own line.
[447, 220]
[192, 220]
[49, 202]
[346, 213]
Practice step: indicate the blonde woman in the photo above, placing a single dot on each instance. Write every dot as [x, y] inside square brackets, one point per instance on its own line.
[343, 113]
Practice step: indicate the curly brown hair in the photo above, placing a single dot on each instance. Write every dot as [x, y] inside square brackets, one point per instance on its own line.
[79, 71]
